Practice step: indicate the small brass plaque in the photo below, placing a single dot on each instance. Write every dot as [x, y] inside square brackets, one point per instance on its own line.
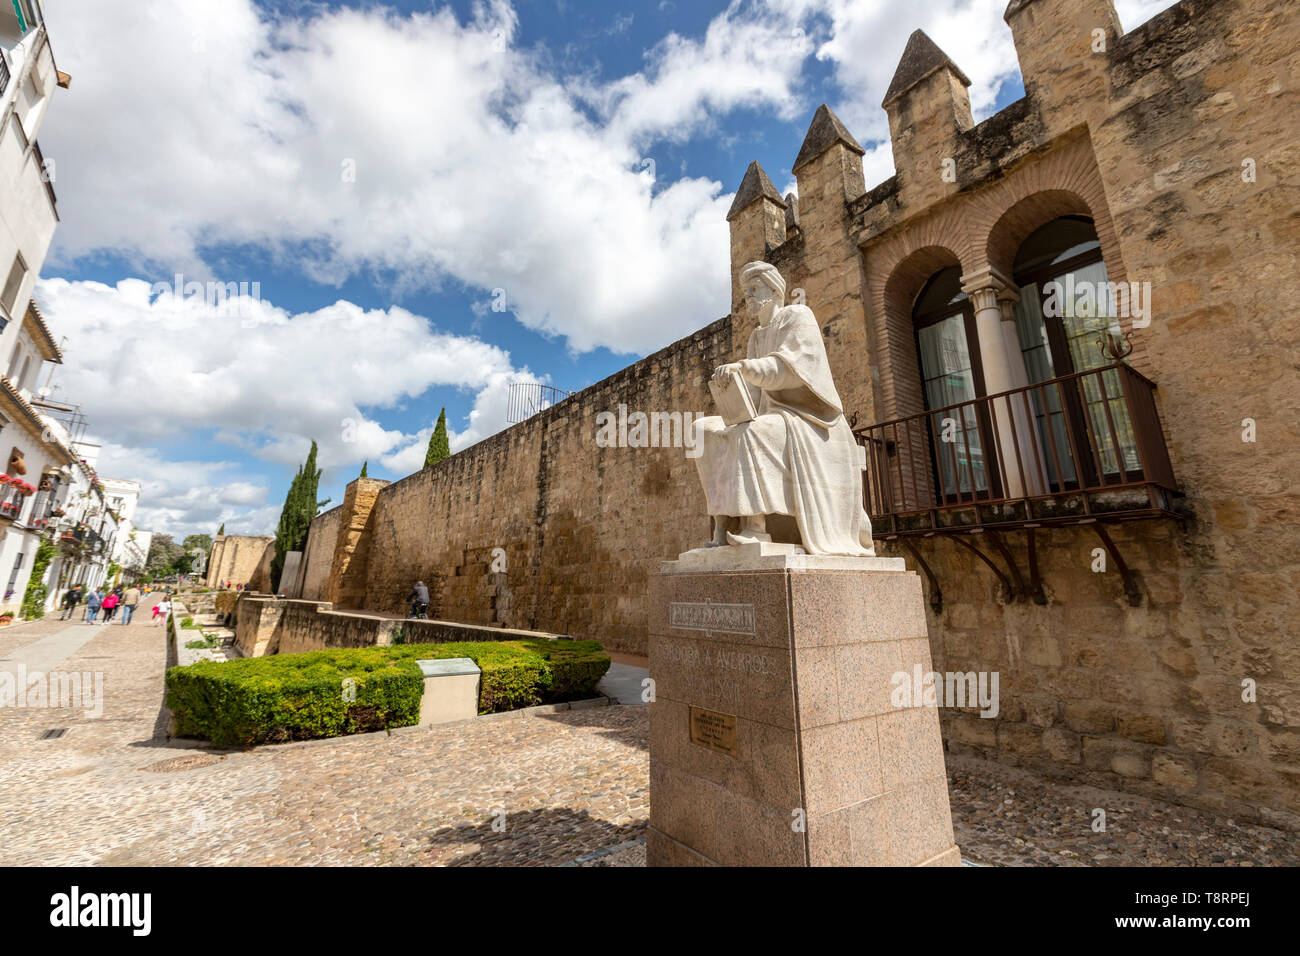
[713, 730]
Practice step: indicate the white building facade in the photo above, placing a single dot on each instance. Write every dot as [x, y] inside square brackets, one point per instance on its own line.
[50, 493]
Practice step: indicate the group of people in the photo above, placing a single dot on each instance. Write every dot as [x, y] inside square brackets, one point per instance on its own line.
[98, 602]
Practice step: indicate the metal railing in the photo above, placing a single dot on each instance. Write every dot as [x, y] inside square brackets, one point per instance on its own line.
[4, 72]
[528, 398]
[45, 176]
[1058, 451]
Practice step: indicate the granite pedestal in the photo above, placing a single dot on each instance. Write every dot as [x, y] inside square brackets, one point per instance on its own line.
[773, 738]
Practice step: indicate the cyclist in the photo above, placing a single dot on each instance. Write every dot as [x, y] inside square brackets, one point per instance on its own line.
[419, 600]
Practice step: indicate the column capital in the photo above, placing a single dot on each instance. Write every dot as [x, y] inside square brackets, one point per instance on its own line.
[986, 277]
[988, 289]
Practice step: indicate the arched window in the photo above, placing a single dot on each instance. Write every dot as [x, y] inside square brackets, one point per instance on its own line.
[1066, 309]
[947, 349]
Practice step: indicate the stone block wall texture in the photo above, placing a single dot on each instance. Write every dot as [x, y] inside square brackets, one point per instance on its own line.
[580, 528]
[260, 580]
[1177, 139]
[237, 559]
[1151, 139]
[318, 554]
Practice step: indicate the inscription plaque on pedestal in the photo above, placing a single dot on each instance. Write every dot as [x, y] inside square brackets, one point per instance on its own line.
[713, 730]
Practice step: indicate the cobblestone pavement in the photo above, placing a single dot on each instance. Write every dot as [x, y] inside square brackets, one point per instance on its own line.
[525, 790]
[1006, 816]
[561, 788]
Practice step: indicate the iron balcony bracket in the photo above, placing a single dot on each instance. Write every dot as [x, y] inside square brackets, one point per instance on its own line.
[936, 593]
[1035, 579]
[1130, 583]
[1009, 592]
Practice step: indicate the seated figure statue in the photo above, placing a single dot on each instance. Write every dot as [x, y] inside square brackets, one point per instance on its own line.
[798, 456]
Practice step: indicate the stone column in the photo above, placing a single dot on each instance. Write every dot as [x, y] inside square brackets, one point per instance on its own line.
[993, 298]
[774, 735]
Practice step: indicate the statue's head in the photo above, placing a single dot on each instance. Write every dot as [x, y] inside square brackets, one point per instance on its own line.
[764, 290]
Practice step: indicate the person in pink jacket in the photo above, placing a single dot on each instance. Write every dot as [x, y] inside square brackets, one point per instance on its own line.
[109, 604]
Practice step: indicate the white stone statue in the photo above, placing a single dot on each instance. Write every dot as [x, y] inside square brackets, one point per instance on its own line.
[797, 456]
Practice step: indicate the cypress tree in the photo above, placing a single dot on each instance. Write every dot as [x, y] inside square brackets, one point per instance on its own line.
[363, 468]
[221, 530]
[300, 507]
[438, 446]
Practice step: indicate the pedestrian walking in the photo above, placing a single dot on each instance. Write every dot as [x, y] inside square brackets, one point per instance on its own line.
[129, 602]
[109, 605]
[71, 598]
[419, 600]
[161, 610]
[93, 601]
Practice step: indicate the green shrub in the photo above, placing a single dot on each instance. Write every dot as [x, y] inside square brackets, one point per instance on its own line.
[188, 622]
[523, 673]
[293, 696]
[300, 696]
[37, 591]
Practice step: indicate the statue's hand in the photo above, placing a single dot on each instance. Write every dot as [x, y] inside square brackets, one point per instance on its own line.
[726, 371]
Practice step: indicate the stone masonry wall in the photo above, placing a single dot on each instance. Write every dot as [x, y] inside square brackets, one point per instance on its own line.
[318, 554]
[1177, 140]
[581, 527]
[1153, 137]
[236, 558]
[266, 625]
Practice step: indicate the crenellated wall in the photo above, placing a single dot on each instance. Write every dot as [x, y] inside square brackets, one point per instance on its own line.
[1177, 140]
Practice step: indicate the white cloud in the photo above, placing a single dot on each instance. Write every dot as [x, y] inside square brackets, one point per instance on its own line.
[190, 497]
[153, 368]
[472, 163]
[475, 161]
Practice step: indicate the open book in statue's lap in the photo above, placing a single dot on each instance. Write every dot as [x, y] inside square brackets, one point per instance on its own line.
[797, 457]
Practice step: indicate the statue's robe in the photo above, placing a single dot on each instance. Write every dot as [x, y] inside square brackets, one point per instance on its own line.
[798, 456]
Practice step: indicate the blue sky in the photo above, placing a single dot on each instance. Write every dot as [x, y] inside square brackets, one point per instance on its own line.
[493, 146]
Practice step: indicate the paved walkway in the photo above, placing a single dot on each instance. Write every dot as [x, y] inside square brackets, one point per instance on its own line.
[556, 789]
[623, 683]
[46, 652]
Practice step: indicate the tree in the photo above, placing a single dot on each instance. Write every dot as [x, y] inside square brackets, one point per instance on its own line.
[222, 530]
[438, 446]
[198, 542]
[163, 554]
[363, 468]
[300, 506]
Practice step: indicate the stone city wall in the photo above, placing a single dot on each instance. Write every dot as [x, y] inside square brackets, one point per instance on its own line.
[1175, 140]
[237, 559]
[267, 625]
[580, 528]
[318, 554]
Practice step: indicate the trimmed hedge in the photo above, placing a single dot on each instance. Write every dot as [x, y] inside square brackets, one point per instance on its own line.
[300, 696]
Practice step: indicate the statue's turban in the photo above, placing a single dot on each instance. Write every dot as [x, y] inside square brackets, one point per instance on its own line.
[767, 272]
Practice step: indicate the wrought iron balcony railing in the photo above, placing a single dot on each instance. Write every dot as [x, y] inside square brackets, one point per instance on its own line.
[1067, 450]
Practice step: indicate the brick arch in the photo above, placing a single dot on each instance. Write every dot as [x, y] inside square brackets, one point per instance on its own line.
[1020, 221]
[895, 283]
[904, 284]
[1064, 182]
